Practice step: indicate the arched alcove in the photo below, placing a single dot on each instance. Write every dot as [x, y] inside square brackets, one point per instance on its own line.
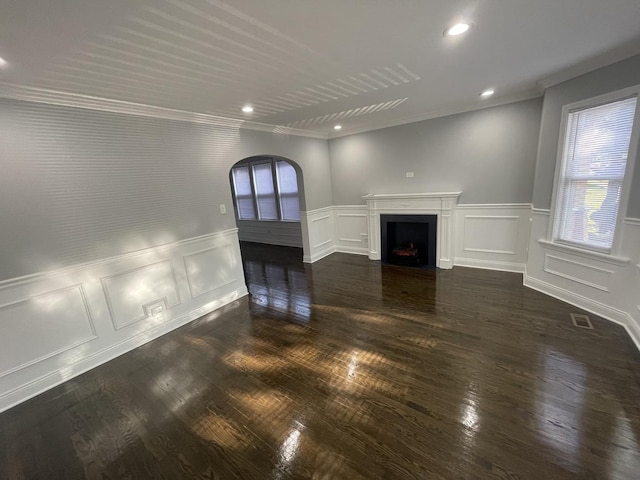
[268, 196]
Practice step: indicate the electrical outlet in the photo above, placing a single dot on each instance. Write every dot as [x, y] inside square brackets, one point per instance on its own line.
[223, 209]
[409, 174]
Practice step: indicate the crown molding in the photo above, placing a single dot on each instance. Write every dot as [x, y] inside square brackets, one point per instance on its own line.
[279, 129]
[618, 54]
[453, 110]
[65, 99]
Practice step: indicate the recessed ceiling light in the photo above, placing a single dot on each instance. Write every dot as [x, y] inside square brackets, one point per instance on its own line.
[457, 29]
[487, 93]
[3, 62]
[337, 127]
[247, 109]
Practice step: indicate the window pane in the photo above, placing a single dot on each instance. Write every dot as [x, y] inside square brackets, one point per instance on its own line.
[244, 198]
[266, 197]
[288, 188]
[594, 164]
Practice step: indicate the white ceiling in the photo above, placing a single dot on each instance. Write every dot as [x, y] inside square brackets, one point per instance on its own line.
[310, 64]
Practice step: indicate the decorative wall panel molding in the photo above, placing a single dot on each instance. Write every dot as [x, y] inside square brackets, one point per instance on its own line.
[579, 272]
[351, 229]
[210, 269]
[129, 292]
[493, 236]
[42, 326]
[318, 229]
[107, 307]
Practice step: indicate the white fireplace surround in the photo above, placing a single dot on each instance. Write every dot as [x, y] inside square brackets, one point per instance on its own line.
[441, 204]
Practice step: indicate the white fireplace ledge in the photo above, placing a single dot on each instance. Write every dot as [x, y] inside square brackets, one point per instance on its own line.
[373, 196]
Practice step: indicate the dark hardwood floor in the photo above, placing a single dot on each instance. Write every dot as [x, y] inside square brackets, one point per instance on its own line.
[347, 369]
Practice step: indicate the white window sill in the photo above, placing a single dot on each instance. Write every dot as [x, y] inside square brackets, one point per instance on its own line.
[603, 257]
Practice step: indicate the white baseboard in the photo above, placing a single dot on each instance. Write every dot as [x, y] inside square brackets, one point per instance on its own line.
[489, 265]
[319, 255]
[352, 250]
[46, 382]
[605, 311]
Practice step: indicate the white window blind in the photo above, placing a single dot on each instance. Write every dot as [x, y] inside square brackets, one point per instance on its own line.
[288, 191]
[244, 196]
[265, 191]
[594, 161]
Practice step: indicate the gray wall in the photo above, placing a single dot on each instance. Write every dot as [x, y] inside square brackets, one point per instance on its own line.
[487, 154]
[78, 185]
[312, 155]
[608, 79]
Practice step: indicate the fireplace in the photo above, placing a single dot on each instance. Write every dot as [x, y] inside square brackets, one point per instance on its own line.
[409, 240]
[440, 205]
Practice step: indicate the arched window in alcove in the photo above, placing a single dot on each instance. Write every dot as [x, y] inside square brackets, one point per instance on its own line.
[265, 188]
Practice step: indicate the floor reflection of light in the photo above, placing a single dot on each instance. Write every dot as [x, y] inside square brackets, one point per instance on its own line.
[469, 416]
[562, 428]
[290, 447]
[625, 457]
[288, 450]
[287, 291]
[353, 364]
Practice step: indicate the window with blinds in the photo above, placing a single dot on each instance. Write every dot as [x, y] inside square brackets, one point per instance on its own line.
[594, 162]
[243, 193]
[288, 190]
[266, 189]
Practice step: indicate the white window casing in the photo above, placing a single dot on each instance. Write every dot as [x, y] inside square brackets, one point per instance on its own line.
[596, 155]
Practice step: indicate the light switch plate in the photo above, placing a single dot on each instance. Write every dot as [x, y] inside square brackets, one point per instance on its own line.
[409, 174]
[223, 209]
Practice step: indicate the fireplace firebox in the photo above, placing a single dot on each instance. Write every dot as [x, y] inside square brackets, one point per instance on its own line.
[409, 240]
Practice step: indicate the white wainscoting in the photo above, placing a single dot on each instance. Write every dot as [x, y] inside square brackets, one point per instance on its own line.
[606, 286]
[288, 234]
[351, 235]
[318, 233]
[209, 269]
[130, 293]
[492, 236]
[58, 324]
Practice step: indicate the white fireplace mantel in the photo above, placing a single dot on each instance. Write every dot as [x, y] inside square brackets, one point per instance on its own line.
[441, 204]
